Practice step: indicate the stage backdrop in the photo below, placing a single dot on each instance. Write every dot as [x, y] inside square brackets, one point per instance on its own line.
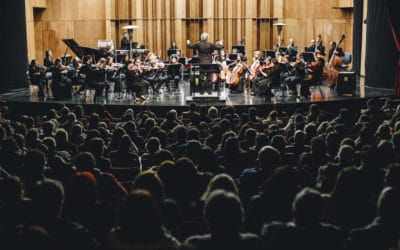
[14, 61]
[382, 55]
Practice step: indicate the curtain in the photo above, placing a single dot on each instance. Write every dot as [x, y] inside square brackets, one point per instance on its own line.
[357, 35]
[392, 9]
[382, 55]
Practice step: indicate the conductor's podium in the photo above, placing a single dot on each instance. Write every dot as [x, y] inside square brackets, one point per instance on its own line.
[205, 84]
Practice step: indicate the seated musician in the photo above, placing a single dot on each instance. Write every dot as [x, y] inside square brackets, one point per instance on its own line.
[61, 85]
[315, 70]
[268, 77]
[154, 68]
[135, 81]
[174, 73]
[238, 76]
[298, 74]
[102, 76]
[36, 74]
[254, 67]
[174, 49]
[91, 79]
[73, 73]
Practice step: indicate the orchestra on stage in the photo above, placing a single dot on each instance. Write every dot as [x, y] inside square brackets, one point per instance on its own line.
[140, 72]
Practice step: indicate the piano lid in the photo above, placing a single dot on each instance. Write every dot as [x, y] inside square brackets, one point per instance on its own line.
[82, 51]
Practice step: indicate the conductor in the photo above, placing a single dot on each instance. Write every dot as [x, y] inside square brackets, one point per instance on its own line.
[205, 48]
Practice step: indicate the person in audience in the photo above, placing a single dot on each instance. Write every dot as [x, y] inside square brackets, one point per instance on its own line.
[140, 225]
[224, 214]
[383, 232]
[306, 231]
[47, 203]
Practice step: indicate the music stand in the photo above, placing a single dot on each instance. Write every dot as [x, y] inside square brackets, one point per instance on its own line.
[308, 56]
[232, 57]
[205, 69]
[240, 49]
[269, 53]
[172, 51]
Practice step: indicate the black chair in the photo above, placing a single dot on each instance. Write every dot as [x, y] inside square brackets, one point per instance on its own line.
[346, 60]
[175, 75]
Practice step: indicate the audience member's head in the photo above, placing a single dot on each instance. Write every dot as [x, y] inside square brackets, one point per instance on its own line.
[307, 207]
[223, 212]
[389, 206]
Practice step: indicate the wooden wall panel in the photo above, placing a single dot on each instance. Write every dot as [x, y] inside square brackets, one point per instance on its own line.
[161, 21]
[89, 10]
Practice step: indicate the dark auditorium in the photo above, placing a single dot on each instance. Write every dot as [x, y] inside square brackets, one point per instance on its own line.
[200, 125]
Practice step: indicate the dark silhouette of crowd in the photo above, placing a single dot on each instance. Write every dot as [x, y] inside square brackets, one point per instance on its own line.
[208, 178]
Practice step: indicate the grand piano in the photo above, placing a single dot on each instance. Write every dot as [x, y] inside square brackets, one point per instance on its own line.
[82, 51]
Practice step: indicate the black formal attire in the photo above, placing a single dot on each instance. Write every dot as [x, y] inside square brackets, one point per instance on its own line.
[262, 85]
[321, 49]
[61, 85]
[36, 76]
[339, 51]
[91, 80]
[47, 62]
[292, 51]
[310, 48]
[174, 73]
[125, 44]
[297, 77]
[205, 50]
[136, 83]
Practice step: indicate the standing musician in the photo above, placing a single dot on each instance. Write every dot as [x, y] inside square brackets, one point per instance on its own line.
[292, 49]
[312, 47]
[125, 43]
[36, 75]
[48, 59]
[298, 73]
[320, 45]
[339, 50]
[135, 81]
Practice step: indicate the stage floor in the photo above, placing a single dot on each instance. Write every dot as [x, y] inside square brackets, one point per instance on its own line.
[182, 97]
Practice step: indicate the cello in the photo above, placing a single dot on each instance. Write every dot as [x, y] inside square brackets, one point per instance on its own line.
[333, 66]
[235, 75]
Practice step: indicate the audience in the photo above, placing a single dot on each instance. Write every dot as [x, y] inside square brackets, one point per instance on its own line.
[209, 178]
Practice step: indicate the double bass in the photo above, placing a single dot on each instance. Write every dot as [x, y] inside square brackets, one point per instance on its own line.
[333, 66]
